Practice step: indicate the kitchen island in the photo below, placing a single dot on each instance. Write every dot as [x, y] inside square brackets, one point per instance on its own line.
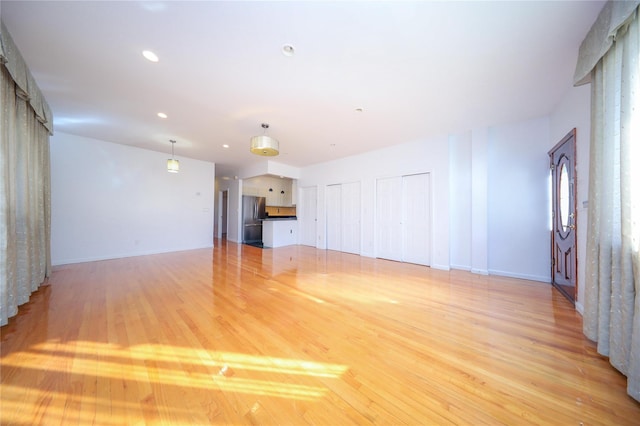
[279, 231]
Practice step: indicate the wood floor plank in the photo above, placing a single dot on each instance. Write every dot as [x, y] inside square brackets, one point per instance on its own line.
[295, 335]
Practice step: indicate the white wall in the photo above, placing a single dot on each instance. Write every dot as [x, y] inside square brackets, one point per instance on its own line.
[479, 199]
[518, 202]
[269, 167]
[499, 200]
[410, 158]
[575, 111]
[460, 156]
[111, 201]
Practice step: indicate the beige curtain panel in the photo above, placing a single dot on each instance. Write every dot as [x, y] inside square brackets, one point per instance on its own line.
[612, 281]
[25, 200]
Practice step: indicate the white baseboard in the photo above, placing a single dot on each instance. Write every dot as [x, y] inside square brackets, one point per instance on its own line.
[461, 267]
[58, 262]
[541, 278]
[441, 267]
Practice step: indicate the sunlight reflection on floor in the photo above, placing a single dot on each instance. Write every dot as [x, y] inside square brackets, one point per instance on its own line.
[91, 366]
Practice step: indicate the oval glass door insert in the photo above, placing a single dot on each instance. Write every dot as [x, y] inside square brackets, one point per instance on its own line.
[564, 197]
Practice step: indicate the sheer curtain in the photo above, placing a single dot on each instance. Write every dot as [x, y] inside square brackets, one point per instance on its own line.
[25, 201]
[612, 282]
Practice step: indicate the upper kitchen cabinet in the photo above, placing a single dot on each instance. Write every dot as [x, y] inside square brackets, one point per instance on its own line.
[278, 197]
[277, 191]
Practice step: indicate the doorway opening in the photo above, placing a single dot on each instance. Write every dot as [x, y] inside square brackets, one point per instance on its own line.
[224, 213]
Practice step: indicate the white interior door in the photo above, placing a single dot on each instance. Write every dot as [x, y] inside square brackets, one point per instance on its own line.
[416, 219]
[308, 216]
[389, 218]
[351, 217]
[334, 217]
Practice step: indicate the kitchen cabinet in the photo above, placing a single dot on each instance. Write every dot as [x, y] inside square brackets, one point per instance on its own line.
[272, 198]
[279, 232]
[278, 194]
[277, 191]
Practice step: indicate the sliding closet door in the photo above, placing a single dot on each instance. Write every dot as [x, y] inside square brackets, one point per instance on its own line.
[351, 217]
[334, 217]
[389, 218]
[403, 218]
[416, 221]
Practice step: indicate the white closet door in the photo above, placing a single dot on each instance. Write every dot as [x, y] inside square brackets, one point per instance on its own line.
[351, 217]
[334, 217]
[308, 216]
[389, 218]
[416, 219]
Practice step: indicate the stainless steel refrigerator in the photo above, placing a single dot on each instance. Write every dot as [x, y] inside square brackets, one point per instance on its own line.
[253, 211]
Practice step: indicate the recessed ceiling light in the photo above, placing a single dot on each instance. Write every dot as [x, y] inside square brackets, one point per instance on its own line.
[225, 146]
[162, 115]
[150, 55]
[359, 109]
[288, 50]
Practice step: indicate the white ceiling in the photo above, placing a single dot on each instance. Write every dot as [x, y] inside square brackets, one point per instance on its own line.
[418, 69]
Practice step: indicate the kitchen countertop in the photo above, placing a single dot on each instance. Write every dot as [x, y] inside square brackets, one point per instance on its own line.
[281, 218]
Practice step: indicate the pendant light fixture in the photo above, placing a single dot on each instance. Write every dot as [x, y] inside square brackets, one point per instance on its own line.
[264, 145]
[173, 165]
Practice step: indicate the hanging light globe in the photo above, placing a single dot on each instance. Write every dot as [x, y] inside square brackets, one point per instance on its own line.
[264, 145]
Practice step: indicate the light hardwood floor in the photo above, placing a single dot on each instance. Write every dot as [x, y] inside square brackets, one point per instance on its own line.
[294, 335]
